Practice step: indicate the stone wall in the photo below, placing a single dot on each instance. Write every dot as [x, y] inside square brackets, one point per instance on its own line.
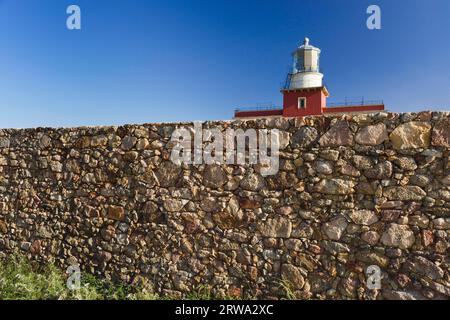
[351, 192]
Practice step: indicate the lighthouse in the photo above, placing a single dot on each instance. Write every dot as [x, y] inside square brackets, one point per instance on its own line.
[304, 93]
[305, 69]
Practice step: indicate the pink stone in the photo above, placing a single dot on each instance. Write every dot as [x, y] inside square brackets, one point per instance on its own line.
[338, 135]
[441, 133]
[371, 237]
[403, 280]
[427, 237]
[372, 135]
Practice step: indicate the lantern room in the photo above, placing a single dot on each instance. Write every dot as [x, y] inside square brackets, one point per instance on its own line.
[306, 68]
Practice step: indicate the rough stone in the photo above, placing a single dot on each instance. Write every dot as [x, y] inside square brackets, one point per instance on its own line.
[335, 228]
[3, 227]
[397, 295]
[332, 155]
[427, 237]
[399, 236]
[335, 186]
[116, 213]
[414, 134]
[441, 133]
[4, 142]
[174, 205]
[390, 215]
[293, 276]
[381, 171]
[350, 170]
[324, 167]
[338, 135]
[441, 223]
[403, 280]
[406, 163]
[372, 258]
[44, 232]
[364, 217]
[424, 267]
[371, 237]
[362, 162]
[25, 245]
[335, 248]
[45, 141]
[142, 144]
[214, 177]
[420, 180]
[128, 142]
[168, 174]
[372, 135]
[304, 137]
[246, 203]
[408, 193]
[229, 219]
[365, 188]
[319, 282]
[150, 212]
[209, 204]
[35, 247]
[306, 261]
[252, 182]
[98, 141]
[276, 228]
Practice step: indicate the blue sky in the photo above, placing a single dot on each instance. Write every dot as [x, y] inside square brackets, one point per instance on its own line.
[141, 61]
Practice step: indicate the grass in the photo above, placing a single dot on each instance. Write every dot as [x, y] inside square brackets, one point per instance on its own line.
[203, 292]
[286, 286]
[23, 280]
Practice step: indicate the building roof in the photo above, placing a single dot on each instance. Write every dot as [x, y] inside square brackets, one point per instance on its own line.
[306, 46]
[323, 88]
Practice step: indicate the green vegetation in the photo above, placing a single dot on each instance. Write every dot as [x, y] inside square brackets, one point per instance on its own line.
[24, 280]
[204, 293]
[286, 286]
[21, 279]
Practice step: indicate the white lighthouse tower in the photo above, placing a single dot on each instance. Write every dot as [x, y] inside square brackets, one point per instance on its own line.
[305, 70]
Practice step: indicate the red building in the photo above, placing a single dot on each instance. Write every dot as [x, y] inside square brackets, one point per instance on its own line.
[304, 93]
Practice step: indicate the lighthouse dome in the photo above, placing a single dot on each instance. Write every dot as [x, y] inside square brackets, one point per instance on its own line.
[306, 67]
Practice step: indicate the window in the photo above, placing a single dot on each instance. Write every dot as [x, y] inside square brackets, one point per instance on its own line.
[301, 103]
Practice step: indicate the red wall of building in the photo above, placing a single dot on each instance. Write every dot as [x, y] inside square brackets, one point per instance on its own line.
[367, 108]
[258, 113]
[315, 101]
